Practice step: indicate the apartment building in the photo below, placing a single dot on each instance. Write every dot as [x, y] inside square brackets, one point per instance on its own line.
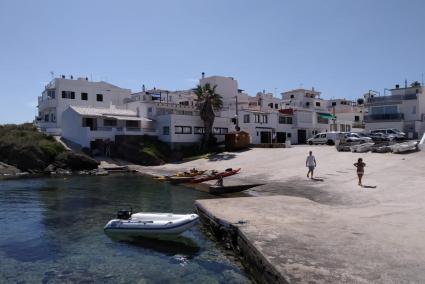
[403, 109]
[62, 93]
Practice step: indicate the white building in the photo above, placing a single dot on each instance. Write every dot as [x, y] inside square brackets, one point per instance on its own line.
[310, 113]
[349, 115]
[85, 112]
[85, 125]
[61, 93]
[404, 109]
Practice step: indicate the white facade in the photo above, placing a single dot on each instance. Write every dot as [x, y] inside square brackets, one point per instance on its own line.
[73, 108]
[83, 125]
[404, 109]
[61, 93]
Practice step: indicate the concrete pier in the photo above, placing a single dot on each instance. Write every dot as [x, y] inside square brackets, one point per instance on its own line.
[294, 240]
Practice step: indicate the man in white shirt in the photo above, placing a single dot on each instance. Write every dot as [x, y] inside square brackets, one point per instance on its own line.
[310, 162]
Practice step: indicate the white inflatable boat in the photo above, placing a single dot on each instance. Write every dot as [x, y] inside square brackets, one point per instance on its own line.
[150, 224]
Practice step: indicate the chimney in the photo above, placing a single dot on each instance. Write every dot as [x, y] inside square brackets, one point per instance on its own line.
[143, 88]
[203, 75]
[397, 86]
[72, 77]
[87, 78]
[63, 76]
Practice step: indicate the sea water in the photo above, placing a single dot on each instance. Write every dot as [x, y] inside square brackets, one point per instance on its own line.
[51, 231]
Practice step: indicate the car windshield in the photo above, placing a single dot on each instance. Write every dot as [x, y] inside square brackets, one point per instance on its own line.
[391, 131]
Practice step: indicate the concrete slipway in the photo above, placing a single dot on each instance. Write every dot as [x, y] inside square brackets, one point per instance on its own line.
[331, 231]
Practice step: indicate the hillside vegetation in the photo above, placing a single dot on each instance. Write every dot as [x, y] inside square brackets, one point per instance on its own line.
[29, 150]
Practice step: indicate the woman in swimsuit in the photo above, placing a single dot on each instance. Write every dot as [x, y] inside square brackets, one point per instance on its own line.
[360, 169]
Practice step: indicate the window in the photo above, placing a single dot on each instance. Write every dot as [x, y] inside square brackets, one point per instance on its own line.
[276, 106]
[356, 118]
[110, 122]
[149, 109]
[84, 96]
[333, 103]
[51, 94]
[317, 104]
[183, 130]
[307, 104]
[52, 117]
[288, 135]
[166, 130]
[198, 130]
[285, 119]
[46, 117]
[99, 97]
[264, 118]
[219, 131]
[292, 96]
[256, 118]
[246, 118]
[132, 124]
[68, 95]
[271, 105]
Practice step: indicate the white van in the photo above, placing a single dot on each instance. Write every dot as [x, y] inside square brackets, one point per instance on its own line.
[328, 138]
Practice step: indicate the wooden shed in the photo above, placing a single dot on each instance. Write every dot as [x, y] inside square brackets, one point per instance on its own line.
[237, 140]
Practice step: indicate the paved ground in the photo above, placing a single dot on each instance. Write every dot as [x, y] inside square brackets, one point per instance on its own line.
[330, 230]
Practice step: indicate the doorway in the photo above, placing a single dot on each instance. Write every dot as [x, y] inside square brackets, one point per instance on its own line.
[302, 136]
[90, 122]
[280, 137]
[266, 137]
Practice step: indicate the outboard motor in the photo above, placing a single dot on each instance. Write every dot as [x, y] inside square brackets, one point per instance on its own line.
[124, 214]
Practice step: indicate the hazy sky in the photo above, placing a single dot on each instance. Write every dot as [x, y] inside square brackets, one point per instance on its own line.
[342, 48]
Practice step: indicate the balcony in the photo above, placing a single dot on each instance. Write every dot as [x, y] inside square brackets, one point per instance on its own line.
[394, 99]
[46, 103]
[384, 117]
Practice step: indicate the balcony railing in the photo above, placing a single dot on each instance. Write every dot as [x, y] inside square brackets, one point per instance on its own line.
[392, 99]
[382, 117]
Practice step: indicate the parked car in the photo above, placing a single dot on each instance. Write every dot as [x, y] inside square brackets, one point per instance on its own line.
[328, 138]
[354, 137]
[390, 131]
[381, 137]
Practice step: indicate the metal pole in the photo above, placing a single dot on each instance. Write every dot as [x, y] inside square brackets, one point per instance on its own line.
[237, 112]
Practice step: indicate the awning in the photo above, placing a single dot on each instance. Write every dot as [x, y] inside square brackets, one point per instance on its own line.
[327, 115]
[121, 117]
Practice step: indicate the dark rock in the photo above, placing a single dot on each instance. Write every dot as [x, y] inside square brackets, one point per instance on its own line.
[50, 168]
[6, 169]
[29, 158]
[75, 161]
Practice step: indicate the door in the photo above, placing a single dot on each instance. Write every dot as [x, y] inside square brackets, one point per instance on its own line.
[280, 137]
[90, 122]
[302, 136]
[266, 137]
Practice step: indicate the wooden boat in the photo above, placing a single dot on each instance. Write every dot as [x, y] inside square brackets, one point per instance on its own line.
[189, 174]
[177, 180]
[226, 173]
[217, 189]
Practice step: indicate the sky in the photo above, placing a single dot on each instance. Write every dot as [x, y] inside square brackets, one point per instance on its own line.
[341, 47]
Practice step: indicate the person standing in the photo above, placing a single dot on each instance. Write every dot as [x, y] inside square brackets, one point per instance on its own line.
[360, 169]
[310, 163]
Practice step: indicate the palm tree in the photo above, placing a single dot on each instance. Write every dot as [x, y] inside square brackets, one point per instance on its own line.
[208, 102]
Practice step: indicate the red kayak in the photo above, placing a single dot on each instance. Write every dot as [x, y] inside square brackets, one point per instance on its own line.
[226, 173]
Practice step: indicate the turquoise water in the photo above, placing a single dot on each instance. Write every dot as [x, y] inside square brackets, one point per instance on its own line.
[51, 231]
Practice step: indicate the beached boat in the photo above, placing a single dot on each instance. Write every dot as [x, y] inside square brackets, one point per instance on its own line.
[226, 173]
[150, 224]
[217, 189]
[177, 180]
[362, 148]
[193, 173]
[404, 147]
